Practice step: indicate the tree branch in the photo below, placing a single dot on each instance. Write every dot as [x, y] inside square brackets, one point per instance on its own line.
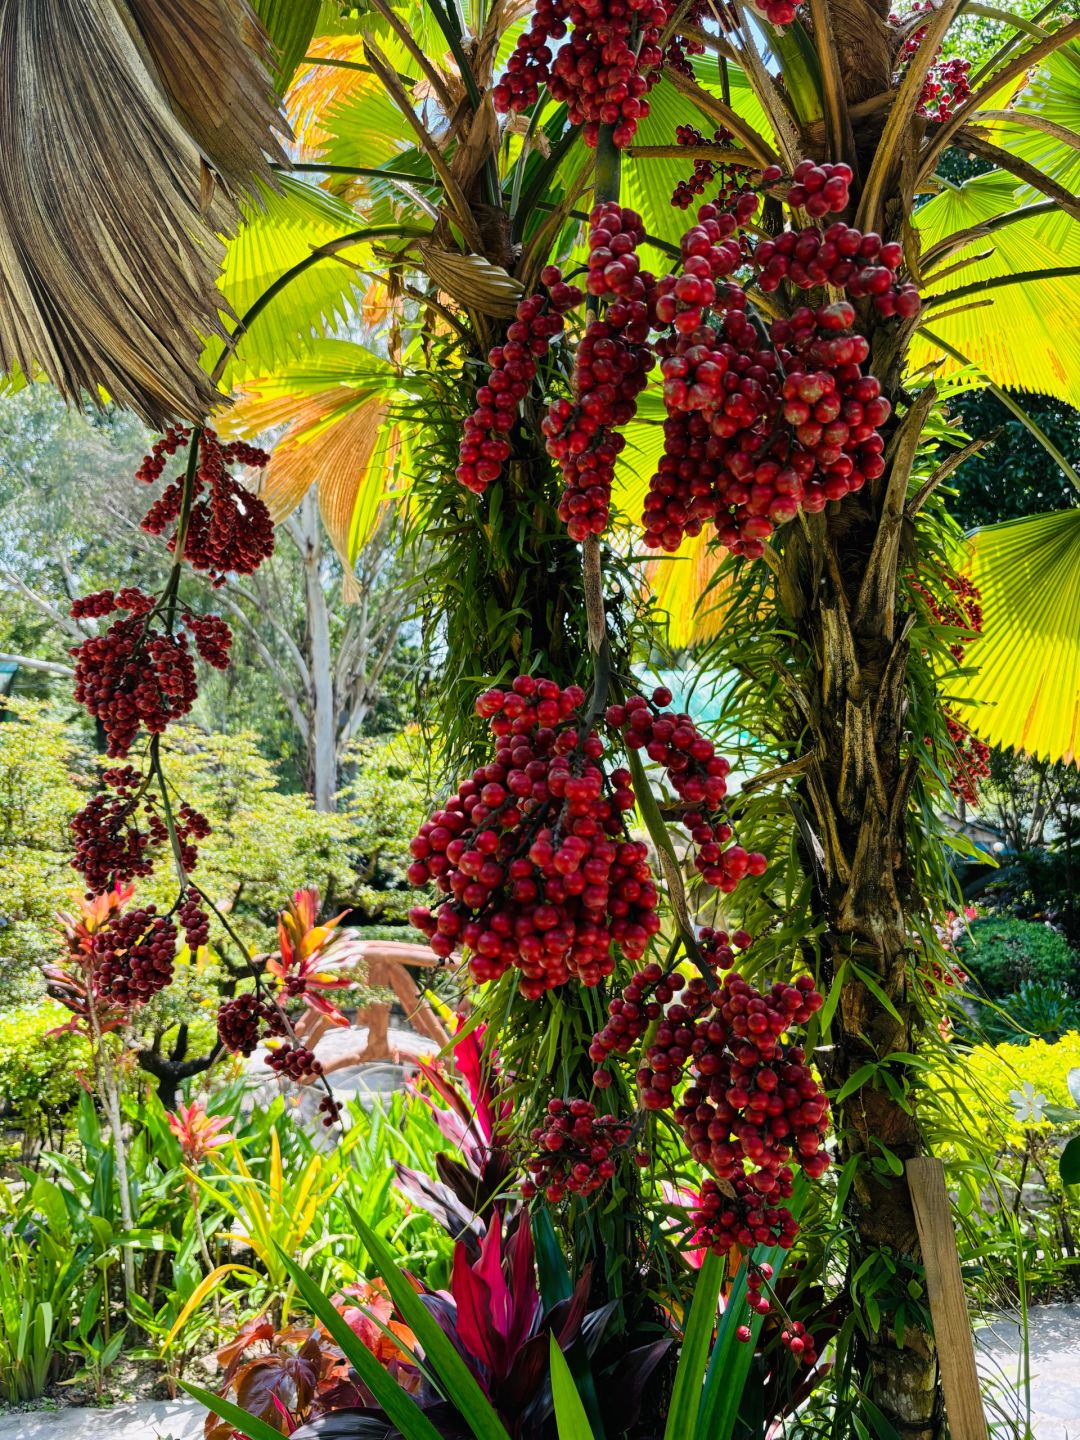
[28, 662]
[46, 607]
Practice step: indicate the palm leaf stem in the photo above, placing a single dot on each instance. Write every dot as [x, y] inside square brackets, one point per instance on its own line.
[900, 116]
[838, 121]
[404, 34]
[1034, 122]
[456, 199]
[997, 282]
[335, 64]
[989, 12]
[1014, 39]
[1022, 170]
[721, 155]
[716, 110]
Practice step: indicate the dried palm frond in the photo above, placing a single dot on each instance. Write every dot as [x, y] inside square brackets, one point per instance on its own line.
[114, 117]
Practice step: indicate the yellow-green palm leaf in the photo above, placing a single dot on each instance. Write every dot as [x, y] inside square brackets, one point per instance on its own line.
[1020, 338]
[1026, 692]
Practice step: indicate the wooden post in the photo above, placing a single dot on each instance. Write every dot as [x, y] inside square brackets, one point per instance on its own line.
[948, 1306]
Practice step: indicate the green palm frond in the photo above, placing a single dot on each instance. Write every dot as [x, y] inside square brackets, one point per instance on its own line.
[1051, 98]
[275, 238]
[1016, 334]
[1026, 691]
[290, 25]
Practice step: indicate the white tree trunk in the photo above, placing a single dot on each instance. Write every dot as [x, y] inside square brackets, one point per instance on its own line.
[322, 749]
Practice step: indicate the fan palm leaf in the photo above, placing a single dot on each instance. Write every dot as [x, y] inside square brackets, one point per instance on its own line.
[1025, 690]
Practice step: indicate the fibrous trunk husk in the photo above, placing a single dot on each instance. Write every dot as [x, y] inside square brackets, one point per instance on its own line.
[115, 118]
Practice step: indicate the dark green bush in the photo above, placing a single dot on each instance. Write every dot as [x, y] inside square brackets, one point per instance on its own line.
[1002, 953]
[1034, 1011]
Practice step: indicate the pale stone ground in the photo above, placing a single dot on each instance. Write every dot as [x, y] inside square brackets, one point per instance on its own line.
[1054, 1338]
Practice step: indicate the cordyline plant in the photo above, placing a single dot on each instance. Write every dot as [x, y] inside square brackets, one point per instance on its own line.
[753, 383]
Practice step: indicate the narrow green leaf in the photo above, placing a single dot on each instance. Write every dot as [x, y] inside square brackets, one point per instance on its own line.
[399, 1407]
[690, 1376]
[570, 1417]
[460, 1383]
[241, 1420]
[855, 1082]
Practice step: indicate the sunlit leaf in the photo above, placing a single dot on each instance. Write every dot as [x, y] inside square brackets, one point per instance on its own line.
[1026, 692]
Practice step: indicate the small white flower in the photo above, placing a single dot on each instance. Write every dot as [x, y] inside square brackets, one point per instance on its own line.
[1027, 1103]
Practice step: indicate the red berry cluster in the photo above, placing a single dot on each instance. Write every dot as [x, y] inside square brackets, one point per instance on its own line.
[799, 1344]
[642, 1001]
[971, 761]
[721, 1058]
[229, 529]
[777, 12]
[698, 775]
[212, 638]
[752, 1106]
[239, 1022]
[110, 846]
[511, 370]
[132, 676]
[194, 922]
[818, 189]
[610, 371]
[841, 256]
[834, 410]
[962, 612]
[794, 1337]
[294, 1062]
[133, 955]
[531, 851]
[574, 1150]
[729, 456]
[602, 73]
[732, 181]
[948, 82]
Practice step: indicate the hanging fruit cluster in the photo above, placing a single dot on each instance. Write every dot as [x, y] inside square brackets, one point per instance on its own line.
[136, 677]
[511, 370]
[612, 56]
[698, 775]
[948, 82]
[762, 421]
[574, 1150]
[733, 180]
[960, 609]
[722, 1057]
[532, 852]
[609, 63]
[610, 371]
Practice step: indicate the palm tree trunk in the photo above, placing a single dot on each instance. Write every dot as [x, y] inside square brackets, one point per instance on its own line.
[838, 581]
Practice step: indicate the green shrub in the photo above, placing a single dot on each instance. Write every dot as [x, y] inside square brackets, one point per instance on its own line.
[1002, 953]
[39, 1084]
[1046, 1012]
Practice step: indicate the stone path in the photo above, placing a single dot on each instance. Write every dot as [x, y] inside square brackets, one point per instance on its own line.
[164, 1420]
[1054, 1339]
